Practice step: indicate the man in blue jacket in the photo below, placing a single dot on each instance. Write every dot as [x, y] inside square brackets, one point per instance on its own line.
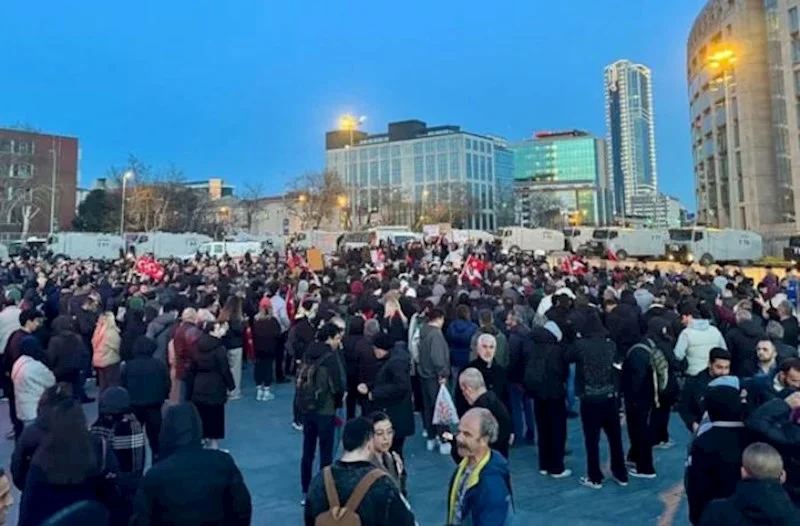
[480, 490]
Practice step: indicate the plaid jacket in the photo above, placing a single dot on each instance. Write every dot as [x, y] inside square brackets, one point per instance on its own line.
[125, 435]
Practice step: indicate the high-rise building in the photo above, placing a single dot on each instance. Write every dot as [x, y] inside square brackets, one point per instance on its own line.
[39, 175]
[568, 170]
[744, 98]
[630, 124]
[413, 171]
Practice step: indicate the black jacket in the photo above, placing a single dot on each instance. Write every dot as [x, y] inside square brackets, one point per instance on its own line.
[301, 335]
[65, 351]
[713, 467]
[495, 378]
[266, 337]
[490, 401]
[546, 367]
[29, 441]
[753, 503]
[209, 378]
[234, 338]
[636, 383]
[381, 506]
[391, 392]
[146, 378]
[772, 423]
[595, 376]
[791, 331]
[690, 404]
[367, 365]
[624, 326]
[190, 485]
[516, 353]
[742, 341]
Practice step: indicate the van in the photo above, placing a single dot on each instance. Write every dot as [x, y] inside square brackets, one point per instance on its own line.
[521, 239]
[710, 245]
[638, 243]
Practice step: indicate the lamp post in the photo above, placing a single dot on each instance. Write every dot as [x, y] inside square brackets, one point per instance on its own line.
[127, 175]
[350, 123]
[54, 154]
[723, 60]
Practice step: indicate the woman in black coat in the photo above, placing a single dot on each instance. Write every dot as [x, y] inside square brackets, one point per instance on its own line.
[390, 393]
[266, 340]
[209, 380]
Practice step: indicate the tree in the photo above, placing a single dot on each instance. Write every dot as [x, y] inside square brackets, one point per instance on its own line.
[315, 197]
[544, 210]
[250, 204]
[449, 203]
[99, 212]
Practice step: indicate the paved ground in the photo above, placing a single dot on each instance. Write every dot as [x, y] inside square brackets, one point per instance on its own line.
[268, 451]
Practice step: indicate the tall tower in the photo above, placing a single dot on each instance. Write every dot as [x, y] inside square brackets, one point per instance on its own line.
[630, 126]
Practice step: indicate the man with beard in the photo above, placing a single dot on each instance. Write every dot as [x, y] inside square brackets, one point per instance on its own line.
[480, 490]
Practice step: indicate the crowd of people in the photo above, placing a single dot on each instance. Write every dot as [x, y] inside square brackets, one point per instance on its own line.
[369, 341]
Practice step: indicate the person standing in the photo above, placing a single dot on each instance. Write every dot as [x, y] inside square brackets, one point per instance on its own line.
[233, 340]
[384, 456]
[267, 341]
[696, 341]
[65, 353]
[495, 377]
[480, 489]
[280, 309]
[594, 353]
[184, 340]
[106, 357]
[31, 378]
[690, 404]
[146, 379]
[391, 391]
[459, 337]
[639, 391]
[29, 321]
[521, 403]
[209, 380]
[473, 388]
[434, 369]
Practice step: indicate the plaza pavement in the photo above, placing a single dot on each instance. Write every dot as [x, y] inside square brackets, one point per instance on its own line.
[268, 451]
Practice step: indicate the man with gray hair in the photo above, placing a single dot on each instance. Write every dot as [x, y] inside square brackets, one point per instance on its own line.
[791, 328]
[759, 497]
[776, 334]
[480, 490]
[473, 387]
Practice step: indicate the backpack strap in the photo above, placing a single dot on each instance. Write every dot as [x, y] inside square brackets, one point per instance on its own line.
[362, 488]
[330, 489]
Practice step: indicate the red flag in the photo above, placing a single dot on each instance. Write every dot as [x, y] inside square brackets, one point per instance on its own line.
[611, 256]
[472, 270]
[290, 304]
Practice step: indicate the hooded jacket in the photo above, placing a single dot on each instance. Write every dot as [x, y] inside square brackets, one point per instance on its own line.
[160, 331]
[266, 336]
[459, 337]
[487, 498]
[742, 341]
[434, 353]
[695, 343]
[145, 377]
[31, 378]
[106, 342]
[753, 503]
[66, 350]
[546, 366]
[391, 392]
[209, 377]
[190, 485]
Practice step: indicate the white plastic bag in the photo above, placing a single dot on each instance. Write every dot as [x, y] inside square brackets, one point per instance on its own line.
[444, 411]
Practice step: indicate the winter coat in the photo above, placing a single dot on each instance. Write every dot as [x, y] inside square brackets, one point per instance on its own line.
[496, 379]
[742, 341]
[596, 378]
[209, 378]
[690, 404]
[517, 338]
[160, 331]
[367, 365]
[106, 342]
[546, 368]
[791, 331]
[459, 337]
[266, 337]
[501, 355]
[636, 382]
[499, 409]
[184, 341]
[301, 336]
[624, 326]
[145, 377]
[772, 423]
[753, 503]
[29, 441]
[234, 338]
[190, 485]
[133, 327]
[395, 328]
[695, 343]
[434, 353]
[329, 379]
[9, 322]
[31, 378]
[65, 351]
[383, 504]
[487, 499]
[391, 393]
[714, 465]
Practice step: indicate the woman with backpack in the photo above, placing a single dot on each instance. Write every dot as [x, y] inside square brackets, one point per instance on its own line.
[319, 382]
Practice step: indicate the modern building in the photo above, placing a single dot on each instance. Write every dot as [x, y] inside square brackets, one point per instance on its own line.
[215, 187]
[744, 98]
[657, 210]
[630, 124]
[272, 215]
[568, 171]
[414, 174]
[38, 181]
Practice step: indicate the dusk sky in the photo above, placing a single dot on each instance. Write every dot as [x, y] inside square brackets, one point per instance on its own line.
[245, 89]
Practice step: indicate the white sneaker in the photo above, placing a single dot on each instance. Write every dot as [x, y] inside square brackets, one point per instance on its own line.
[430, 445]
[297, 426]
[564, 474]
[633, 472]
[424, 433]
[445, 448]
[268, 395]
[665, 445]
[259, 393]
[585, 481]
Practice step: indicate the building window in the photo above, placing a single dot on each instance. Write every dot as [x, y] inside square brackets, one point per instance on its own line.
[418, 148]
[469, 166]
[419, 169]
[23, 170]
[430, 168]
[429, 146]
[795, 51]
[794, 20]
[24, 148]
[442, 167]
[483, 147]
[373, 173]
[395, 171]
[6, 145]
[385, 177]
[454, 171]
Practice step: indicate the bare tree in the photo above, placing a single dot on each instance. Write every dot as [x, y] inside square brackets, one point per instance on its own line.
[315, 197]
[250, 204]
[544, 210]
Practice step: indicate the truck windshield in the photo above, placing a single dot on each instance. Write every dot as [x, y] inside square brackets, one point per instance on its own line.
[600, 233]
[794, 241]
[680, 234]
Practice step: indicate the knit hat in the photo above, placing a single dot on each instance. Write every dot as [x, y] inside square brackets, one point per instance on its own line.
[723, 404]
[265, 303]
[383, 341]
[136, 303]
[114, 401]
[356, 288]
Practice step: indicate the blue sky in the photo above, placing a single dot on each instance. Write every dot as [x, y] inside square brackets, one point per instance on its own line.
[245, 89]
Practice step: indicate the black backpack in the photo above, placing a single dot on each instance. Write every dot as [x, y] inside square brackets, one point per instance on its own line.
[309, 396]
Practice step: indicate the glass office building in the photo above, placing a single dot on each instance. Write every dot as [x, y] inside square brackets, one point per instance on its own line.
[631, 133]
[570, 169]
[413, 168]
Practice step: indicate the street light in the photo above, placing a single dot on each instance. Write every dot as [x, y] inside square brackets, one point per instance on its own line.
[724, 60]
[350, 123]
[127, 175]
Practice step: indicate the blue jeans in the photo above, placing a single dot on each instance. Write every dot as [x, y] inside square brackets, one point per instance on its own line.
[571, 388]
[521, 407]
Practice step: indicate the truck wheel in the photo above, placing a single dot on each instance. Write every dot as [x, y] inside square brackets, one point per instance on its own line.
[515, 250]
[621, 255]
[60, 257]
[707, 260]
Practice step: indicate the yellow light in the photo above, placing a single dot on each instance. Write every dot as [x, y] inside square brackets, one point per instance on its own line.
[341, 201]
[128, 174]
[349, 122]
[302, 198]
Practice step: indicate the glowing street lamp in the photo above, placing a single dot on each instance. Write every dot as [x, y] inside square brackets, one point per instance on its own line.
[350, 124]
[127, 175]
